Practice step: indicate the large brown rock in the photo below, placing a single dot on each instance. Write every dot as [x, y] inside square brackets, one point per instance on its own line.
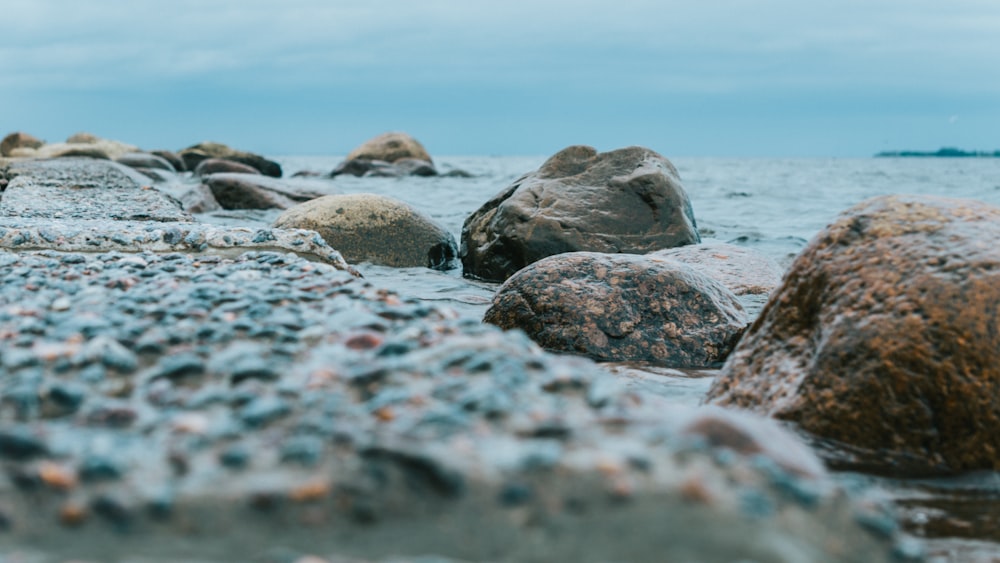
[885, 335]
[390, 147]
[629, 200]
[194, 154]
[621, 307]
[18, 140]
[375, 228]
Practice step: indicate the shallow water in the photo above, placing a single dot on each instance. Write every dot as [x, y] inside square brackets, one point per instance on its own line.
[772, 205]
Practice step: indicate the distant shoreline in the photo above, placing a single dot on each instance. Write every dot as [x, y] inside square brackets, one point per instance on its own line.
[945, 152]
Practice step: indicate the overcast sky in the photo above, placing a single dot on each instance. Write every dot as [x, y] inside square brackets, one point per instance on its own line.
[518, 77]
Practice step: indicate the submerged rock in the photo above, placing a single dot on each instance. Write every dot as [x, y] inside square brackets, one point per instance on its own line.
[884, 336]
[374, 228]
[218, 165]
[140, 160]
[252, 191]
[621, 307]
[628, 200]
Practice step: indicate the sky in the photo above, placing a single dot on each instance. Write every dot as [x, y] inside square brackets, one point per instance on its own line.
[741, 78]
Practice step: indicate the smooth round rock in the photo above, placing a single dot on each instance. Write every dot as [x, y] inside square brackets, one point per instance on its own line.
[621, 307]
[885, 335]
[194, 154]
[217, 165]
[17, 140]
[390, 147]
[145, 160]
[629, 200]
[374, 228]
[234, 190]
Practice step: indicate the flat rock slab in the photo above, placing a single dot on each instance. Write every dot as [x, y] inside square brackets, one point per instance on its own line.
[83, 188]
[173, 407]
[17, 234]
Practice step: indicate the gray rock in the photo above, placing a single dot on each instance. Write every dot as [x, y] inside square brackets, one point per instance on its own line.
[374, 228]
[622, 307]
[194, 154]
[18, 140]
[628, 200]
[424, 435]
[74, 188]
[145, 160]
[251, 191]
[218, 165]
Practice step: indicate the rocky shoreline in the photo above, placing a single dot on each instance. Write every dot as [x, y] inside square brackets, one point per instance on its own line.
[174, 390]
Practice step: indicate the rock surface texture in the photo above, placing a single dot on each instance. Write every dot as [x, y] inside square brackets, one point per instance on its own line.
[628, 200]
[374, 228]
[621, 307]
[884, 336]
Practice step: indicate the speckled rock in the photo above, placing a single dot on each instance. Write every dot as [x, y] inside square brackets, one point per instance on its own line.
[884, 336]
[18, 140]
[375, 228]
[170, 407]
[621, 307]
[628, 200]
[390, 147]
[81, 188]
[194, 154]
[218, 165]
[748, 273]
[145, 160]
[251, 191]
[83, 236]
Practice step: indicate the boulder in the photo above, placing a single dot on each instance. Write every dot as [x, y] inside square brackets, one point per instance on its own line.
[629, 201]
[253, 191]
[885, 336]
[145, 160]
[622, 307]
[390, 147]
[18, 140]
[81, 188]
[415, 167]
[83, 138]
[375, 228]
[80, 145]
[216, 165]
[382, 169]
[202, 151]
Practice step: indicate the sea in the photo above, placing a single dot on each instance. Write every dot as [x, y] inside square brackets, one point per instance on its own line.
[773, 205]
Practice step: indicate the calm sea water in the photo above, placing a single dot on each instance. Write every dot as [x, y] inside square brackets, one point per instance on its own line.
[772, 205]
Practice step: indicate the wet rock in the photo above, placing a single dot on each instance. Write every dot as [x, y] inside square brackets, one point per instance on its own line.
[193, 155]
[642, 205]
[84, 189]
[750, 274]
[883, 336]
[621, 307]
[18, 140]
[366, 167]
[249, 191]
[145, 160]
[217, 165]
[390, 147]
[374, 228]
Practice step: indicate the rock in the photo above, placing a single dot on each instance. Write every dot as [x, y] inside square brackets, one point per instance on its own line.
[194, 154]
[390, 147]
[415, 167]
[145, 160]
[884, 336]
[83, 138]
[216, 165]
[628, 200]
[439, 435]
[365, 167]
[197, 198]
[621, 307]
[18, 140]
[84, 189]
[194, 239]
[750, 274]
[374, 228]
[176, 161]
[251, 191]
